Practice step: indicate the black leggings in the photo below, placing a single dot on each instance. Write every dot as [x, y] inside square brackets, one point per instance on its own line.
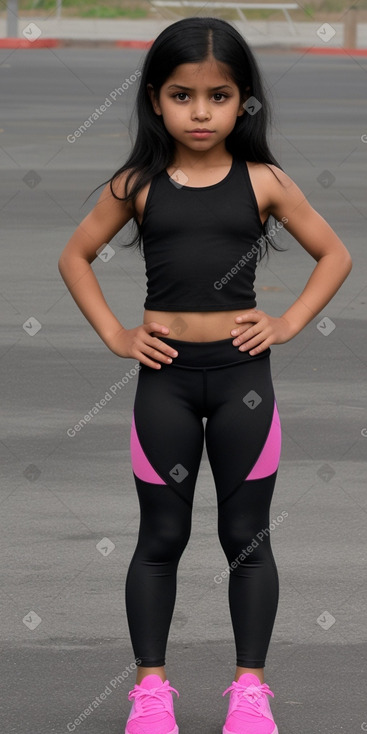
[242, 433]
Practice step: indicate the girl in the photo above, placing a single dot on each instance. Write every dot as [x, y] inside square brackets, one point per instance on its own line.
[201, 185]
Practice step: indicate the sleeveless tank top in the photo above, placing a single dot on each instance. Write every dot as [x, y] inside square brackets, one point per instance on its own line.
[200, 244]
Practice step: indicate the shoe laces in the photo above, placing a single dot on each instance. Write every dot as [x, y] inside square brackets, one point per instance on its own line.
[248, 697]
[150, 700]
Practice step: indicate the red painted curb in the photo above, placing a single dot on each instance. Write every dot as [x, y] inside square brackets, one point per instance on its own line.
[23, 43]
[53, 42]
[133, 44]
[332, 51]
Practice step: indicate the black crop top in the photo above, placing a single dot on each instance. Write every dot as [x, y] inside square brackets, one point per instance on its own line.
[200, 244]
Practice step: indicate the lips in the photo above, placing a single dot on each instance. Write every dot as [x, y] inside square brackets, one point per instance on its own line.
[201, 130]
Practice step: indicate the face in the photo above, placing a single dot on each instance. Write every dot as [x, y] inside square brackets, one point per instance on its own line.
[196, 97]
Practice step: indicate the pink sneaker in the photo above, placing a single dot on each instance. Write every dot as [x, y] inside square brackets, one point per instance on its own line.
[249, 711]
[152, 709]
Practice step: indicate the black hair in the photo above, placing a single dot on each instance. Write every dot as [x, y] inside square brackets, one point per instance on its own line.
[194, 40]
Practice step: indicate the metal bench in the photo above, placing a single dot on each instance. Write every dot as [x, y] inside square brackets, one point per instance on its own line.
[240, 7]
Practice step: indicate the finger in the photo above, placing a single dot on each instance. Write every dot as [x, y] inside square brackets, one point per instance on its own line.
[241, 329]
[153, 358]
[149, 362]
[154, 326]
[158, 355]
[265, 345]
[240, 335]
[255, 342]
[253, 315]
[250, 332]
[165, 348]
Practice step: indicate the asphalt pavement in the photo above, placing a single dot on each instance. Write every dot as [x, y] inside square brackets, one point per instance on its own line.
[69, 510]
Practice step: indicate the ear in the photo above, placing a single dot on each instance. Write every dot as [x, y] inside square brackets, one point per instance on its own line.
[153, 99]
[243, 101]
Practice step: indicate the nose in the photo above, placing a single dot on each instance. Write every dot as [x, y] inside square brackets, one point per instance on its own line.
[200, 110]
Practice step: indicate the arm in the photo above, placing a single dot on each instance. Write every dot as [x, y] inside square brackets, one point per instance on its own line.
[96, 229]
[333, 265]
[104, 221]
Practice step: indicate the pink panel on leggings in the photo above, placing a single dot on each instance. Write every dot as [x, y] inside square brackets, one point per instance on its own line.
[268, 460]
[140, 464]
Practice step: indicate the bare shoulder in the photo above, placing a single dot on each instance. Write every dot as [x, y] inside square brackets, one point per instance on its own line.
[280, 179]
[123, 186]
[123, 183]
[283, 194]
[287, 203]
[269, 175]
[270, 184]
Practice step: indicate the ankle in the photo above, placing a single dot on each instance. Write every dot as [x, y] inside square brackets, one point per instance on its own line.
[142, 672]
[259, 672]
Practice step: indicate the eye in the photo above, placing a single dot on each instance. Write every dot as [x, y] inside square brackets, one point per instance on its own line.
[180, 94]
[184, 94]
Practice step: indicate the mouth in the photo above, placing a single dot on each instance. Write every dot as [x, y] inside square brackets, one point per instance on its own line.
[200, 133]
[201, 130]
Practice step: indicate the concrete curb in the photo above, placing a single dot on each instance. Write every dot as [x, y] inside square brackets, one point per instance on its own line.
[332, 51]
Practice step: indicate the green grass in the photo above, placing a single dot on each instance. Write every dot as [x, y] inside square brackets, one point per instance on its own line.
[103, 12]
[309, 10]
[89, 9]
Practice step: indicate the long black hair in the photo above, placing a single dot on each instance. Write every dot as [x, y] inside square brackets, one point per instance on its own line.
[194, 40]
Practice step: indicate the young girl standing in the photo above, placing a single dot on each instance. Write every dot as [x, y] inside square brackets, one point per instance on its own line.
[201, 185]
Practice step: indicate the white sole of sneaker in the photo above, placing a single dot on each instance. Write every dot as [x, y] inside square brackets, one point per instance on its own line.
[226, 731]
[174, 731]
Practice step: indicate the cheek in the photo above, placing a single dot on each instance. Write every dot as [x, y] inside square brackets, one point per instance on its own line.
[172, 112]
[175, 117]
[228, 116]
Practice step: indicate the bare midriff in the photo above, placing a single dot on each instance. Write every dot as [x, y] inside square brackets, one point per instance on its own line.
[192, 326]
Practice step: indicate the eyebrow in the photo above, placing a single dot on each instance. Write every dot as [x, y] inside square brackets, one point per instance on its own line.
[189, 89]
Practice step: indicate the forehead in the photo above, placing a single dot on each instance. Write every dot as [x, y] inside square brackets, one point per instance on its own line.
[203, 75]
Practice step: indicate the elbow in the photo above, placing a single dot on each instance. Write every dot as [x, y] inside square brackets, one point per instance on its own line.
[63, 265]
[343, 261]
[347, 263]
[60, 265]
